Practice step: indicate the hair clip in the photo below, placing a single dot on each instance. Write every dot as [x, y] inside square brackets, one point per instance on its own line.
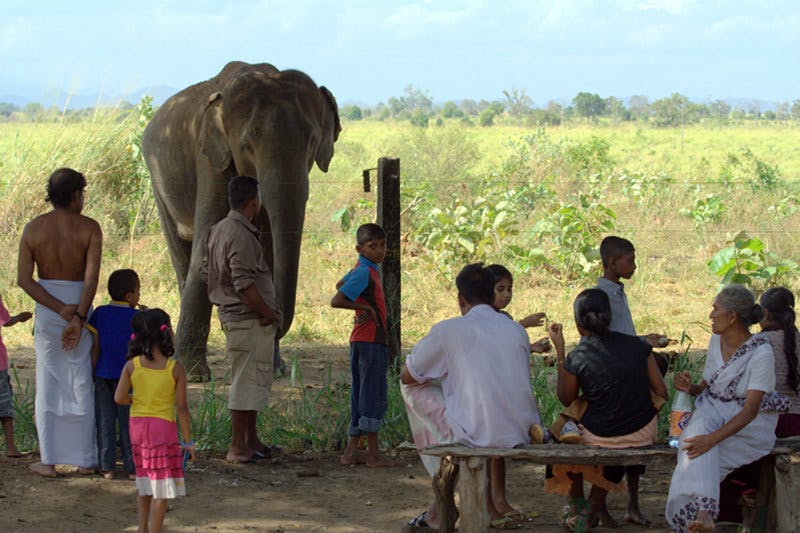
[133, 336]
[164, 327]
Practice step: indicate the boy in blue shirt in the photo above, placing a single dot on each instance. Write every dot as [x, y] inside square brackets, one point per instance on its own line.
[361, 290]
[112, 325]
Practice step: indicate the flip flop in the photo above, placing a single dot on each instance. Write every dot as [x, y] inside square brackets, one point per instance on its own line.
[505, 522]
[643, 521]
[519, 516]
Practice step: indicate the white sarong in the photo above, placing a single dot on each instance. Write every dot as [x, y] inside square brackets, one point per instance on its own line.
[695, 482]
[64, 387]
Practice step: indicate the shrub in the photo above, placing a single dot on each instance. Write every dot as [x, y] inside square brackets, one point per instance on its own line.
[746, 261]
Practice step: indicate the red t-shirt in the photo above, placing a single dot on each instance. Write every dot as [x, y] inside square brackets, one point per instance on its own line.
[362, 285]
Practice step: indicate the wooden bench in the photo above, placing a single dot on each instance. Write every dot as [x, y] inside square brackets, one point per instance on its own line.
[778, 489]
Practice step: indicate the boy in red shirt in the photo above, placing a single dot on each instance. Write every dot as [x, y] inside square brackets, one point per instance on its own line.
[361, 290]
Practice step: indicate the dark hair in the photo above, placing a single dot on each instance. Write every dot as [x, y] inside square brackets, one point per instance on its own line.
[500, 272]
[241, 190]
[121, 282]
[476, 284]
[62, 186]
[592, 311]
[779, 304]
[368, 232]
[150, 327]
[613, 247]
[738, 299]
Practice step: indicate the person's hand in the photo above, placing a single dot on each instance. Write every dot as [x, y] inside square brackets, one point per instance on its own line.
[71, 334]
[365, 315]
[698, 445]
[67, 312]
[657, 340]
[541, 346]
[278, 321]
[533, 321]
[339, 284]
[23, 316]
[556, 333]
[682, 381]
[141, 307]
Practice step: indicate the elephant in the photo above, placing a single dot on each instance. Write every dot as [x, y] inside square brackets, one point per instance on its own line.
[250, 119]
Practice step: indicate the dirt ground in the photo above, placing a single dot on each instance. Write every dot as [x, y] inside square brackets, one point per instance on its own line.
[295, 492]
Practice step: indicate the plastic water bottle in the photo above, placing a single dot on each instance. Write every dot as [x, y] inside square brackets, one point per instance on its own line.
[679, 416]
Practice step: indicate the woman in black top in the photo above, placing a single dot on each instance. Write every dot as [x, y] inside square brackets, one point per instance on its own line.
[615, 372]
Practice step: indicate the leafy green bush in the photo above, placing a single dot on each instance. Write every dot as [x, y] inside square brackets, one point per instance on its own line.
[570, 235]
[746, 261]
[759, 174]
[709, 208]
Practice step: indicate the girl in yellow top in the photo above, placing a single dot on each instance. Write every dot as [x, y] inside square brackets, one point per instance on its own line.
[159, 387]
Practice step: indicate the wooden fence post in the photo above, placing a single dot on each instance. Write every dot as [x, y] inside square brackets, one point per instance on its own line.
[389, 220]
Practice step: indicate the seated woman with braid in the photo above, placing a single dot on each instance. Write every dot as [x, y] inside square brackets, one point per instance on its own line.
[615, 372]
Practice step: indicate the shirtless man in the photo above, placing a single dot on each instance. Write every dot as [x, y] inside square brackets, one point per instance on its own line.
[65, 247]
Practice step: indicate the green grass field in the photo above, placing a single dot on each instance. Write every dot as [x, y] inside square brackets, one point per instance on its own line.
[646, 176]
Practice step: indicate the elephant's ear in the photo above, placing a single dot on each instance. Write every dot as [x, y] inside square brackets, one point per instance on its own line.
[331, 126]
[213, 138]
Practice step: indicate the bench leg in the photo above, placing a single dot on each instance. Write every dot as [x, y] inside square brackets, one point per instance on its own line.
[787, 484]
[444, 484]
[765, 512]
[472, 492]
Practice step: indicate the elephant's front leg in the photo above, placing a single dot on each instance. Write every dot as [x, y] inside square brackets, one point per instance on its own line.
[191, 337]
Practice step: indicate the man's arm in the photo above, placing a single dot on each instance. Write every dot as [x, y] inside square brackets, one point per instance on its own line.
[253, 299]
[25, 264]
[406, 378]
[72, 331]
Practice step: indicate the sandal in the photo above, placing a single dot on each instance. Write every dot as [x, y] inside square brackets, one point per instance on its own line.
[505, 522]
[575, 515]
[419, 524]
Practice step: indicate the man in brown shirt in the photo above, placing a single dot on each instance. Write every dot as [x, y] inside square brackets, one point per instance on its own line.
[240, 284]
[64, 247]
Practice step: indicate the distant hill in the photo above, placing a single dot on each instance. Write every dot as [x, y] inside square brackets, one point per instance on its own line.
[21, 94]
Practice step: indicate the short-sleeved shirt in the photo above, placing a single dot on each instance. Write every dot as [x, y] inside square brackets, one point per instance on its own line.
[362, 285]
[4, 318]
[234, 261]
[482, 360]
[782, 367]
[759, 374]
[621, 319]
[113, 325]
[612, 373]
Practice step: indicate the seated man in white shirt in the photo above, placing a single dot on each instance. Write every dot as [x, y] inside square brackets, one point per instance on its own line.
[468, 382]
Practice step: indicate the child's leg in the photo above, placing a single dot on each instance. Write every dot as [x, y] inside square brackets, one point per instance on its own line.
[8, 429]
[105, 412]
[143, 505]
[159, 509]
[373, 364]
[633, 513]
[352, 455]
[123, 418]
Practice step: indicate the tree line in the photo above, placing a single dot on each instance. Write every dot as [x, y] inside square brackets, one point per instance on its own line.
[515, 106]
[417, 106]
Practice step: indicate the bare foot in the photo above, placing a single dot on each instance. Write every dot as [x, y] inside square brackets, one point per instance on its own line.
[132, 477]
[238, 458]
[635, 516]
[107, 475]
[83, 471]
[703, 523]
[43, 470]
[354, 458]
[602, 518]
[378, 461]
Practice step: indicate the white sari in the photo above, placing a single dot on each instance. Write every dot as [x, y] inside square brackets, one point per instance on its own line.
[64, 387]
[695, 482]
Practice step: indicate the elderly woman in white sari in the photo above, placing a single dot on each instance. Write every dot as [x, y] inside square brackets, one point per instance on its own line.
[736, 411]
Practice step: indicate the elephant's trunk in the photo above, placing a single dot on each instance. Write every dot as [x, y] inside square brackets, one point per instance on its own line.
[284, 196]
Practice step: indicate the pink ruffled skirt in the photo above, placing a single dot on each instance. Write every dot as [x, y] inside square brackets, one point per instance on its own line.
[157, 457]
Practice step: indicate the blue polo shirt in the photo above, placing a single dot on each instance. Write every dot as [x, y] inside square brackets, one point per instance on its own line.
[113, 325]
[363, 285]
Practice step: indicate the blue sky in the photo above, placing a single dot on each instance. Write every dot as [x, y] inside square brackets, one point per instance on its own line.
[366, 51]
